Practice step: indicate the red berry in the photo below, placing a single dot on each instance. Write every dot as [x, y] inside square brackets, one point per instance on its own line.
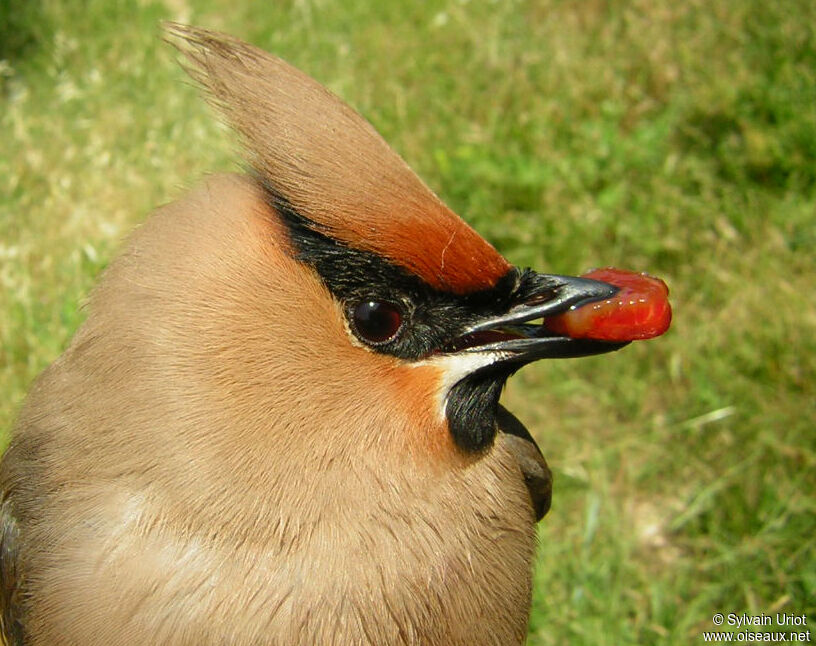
[640, 310]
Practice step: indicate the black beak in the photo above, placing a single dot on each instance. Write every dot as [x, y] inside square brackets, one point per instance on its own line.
[510, 340]
[539, 296]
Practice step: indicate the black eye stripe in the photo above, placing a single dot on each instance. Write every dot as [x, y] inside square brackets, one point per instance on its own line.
[430, 318]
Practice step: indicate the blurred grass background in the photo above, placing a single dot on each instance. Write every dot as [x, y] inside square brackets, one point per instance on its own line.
[673, 137]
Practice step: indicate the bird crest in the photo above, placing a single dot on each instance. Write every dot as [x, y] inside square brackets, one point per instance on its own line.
[324, 160]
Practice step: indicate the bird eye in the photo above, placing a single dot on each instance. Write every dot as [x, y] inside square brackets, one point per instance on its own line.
[376, 322]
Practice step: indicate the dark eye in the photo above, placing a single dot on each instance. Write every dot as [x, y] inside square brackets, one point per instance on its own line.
[376, 322]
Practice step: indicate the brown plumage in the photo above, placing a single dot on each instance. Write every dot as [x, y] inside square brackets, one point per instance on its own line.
[231, 452]
[334, 167]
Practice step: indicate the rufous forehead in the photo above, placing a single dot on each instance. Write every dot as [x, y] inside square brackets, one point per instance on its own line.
[440, 248]
[462, 263]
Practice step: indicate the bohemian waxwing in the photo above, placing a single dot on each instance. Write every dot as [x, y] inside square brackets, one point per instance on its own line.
[279, 423]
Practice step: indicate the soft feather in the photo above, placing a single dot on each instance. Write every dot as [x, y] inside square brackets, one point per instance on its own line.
[203, 466]
[333, 167]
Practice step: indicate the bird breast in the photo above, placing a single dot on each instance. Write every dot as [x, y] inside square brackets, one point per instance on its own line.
[224, 472]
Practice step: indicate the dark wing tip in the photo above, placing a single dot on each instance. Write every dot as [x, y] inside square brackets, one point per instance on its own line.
[11, 629]
[537, 475]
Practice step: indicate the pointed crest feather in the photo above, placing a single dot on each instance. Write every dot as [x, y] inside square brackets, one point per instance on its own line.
[333, 167]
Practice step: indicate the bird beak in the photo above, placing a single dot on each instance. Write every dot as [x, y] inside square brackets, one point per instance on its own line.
[542, 295]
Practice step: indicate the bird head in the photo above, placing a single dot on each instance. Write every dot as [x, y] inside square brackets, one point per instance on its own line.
[423, 301]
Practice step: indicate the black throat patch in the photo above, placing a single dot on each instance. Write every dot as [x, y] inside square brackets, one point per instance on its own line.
[433, 318]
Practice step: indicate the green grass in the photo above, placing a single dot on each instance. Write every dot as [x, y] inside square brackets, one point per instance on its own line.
[673, 137]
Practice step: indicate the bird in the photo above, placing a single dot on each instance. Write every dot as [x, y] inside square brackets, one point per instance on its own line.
[279, 422]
